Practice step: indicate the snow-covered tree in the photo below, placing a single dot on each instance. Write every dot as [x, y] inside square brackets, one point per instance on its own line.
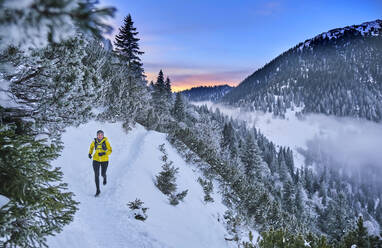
[166, 180]
[126, 45]
[178, 110]
[251, 159]
[38, 23]
[50, 84]
[39, 203]
[160, 101]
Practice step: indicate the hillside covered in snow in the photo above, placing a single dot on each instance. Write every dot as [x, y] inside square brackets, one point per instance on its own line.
[335, 73]
[107, 221]
[179, 175]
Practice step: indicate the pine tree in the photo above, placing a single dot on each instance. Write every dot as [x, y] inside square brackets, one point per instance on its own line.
[39, 205]
[299, 203]
[251, 159]
[288, 197]
[178, 110]
[207, 188]
[166, 180]
[229, 140]
[168, 89]
[338, 213]
[128, 97]
[362, 234]
[59, 21]
[160, 84]
[126, 45]
[359, 236]
[160, 101]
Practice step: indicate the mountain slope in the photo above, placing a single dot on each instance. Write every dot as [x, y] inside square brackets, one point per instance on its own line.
[336, 73]
[106, 221]
[206, 93]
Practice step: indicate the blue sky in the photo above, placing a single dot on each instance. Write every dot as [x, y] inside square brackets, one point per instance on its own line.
[206, 42]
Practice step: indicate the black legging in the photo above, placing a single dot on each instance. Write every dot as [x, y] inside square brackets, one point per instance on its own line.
[96, 166]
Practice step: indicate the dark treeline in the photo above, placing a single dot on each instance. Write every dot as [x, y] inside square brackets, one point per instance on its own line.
[206, 93]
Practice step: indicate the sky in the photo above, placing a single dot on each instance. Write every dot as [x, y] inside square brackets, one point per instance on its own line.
[213, 42]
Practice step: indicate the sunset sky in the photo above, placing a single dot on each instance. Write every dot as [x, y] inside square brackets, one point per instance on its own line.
[213, 42]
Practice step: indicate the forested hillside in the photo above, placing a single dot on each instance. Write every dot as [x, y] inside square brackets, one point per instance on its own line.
[206, 93]
[335, 73]
[64, 79]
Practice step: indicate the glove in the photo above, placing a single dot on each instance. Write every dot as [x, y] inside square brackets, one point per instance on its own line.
[90, 156]
[101, 154]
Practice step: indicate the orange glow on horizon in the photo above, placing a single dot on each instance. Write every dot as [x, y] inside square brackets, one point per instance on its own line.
[189, 83]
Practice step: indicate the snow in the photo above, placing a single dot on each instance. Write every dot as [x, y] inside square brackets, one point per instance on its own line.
[17, 4]
[106, 221]
[3, 200]
[351, 142]
[372, 227]
[33, 26]
[373, 28]
[5, 98]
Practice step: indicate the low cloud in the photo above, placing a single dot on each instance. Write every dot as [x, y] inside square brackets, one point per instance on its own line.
[350, 142]
[355, 144]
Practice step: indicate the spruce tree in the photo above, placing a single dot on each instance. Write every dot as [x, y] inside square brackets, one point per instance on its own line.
[229, 140]
[39, 204]
[166, 180]
[178, 110]
[358, 236]
[288, 197]
[251, 159]
[160, 83]
[126, 45]
[128, 88]
[160, 101]
[338, 213]
[168, 89]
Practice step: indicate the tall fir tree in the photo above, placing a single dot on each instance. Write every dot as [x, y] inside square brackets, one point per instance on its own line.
[127, 94]
[160, 101]
[168, 89]
[251, 159]
[178, 110]
[126, 45]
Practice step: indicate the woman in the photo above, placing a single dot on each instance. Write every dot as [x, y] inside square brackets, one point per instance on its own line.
[102, 149]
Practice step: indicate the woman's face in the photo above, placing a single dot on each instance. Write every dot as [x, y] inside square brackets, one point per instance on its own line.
[100, 136]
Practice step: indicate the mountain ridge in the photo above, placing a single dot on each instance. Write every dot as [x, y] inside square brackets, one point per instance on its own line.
[325, 78]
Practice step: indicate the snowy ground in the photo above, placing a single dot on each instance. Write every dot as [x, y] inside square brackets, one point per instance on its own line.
[352, 142]
[106, 221]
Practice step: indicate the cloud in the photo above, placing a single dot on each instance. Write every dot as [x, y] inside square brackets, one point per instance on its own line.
[334, 141]
[350, 142]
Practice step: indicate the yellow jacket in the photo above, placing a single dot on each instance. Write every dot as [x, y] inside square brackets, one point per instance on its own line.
[100, 148]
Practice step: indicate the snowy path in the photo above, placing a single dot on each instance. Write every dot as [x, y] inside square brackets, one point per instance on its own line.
[105, 221]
